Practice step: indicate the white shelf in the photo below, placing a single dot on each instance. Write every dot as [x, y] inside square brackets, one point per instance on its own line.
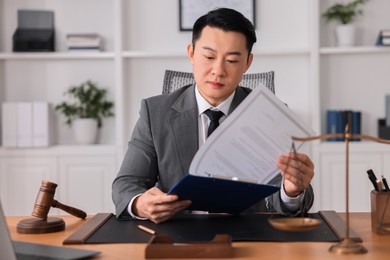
[354, 50]
[282, 52]
[154, 54]
[183, 54]
[60, 150]
[360, 146]
[57, 56]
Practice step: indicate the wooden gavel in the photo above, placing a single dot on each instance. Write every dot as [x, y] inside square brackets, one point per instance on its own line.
[41, 223]
[45, 200]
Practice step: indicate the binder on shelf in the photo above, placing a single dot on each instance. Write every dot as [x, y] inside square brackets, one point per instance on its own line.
[9, 124]
[333, 123]
[24, 118]
[41, 134]
[356, 124]
[336, 121]
[383, 130]
[26, 124]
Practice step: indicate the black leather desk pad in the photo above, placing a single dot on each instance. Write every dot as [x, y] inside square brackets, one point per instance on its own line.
[196, 228]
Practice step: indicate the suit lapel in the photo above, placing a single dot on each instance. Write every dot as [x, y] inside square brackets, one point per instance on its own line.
[184, 125]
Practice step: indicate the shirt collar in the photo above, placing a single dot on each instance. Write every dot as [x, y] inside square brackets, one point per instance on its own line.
[203, 105]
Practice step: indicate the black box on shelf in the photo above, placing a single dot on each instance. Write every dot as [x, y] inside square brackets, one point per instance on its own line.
[383, 130]
[35, 32]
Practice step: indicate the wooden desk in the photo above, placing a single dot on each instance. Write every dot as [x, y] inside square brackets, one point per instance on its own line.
[378, 246]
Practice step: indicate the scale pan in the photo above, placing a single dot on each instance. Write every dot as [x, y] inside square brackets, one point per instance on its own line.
[294, 224]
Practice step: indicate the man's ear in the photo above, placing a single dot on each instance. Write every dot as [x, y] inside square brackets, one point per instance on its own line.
[190, 52]
[249, 61]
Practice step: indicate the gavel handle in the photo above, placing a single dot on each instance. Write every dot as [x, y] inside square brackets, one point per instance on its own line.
[73, 211]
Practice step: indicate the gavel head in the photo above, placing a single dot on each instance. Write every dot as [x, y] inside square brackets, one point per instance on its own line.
[44, 200]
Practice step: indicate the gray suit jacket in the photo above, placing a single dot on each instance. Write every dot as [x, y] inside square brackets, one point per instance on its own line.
[162, 145]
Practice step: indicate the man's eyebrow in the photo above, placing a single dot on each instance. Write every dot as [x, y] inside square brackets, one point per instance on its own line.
[229, 53]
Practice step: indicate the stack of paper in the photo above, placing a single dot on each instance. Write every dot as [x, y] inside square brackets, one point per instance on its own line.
[84, 42]
[383, 38]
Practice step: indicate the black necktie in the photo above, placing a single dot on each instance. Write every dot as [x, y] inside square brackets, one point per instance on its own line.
[214, 116]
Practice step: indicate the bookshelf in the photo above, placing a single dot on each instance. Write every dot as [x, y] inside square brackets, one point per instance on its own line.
[351, 78]
[140, 43]
[44, 76]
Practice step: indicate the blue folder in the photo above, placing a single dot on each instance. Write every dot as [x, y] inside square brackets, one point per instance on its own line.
[220, 195]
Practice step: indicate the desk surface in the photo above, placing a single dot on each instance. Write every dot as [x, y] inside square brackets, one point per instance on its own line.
[378, 246]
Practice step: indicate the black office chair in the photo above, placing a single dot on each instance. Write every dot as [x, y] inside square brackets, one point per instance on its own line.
[174, 80]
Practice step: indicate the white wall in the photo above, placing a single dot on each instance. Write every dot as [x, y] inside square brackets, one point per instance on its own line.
[153, 26]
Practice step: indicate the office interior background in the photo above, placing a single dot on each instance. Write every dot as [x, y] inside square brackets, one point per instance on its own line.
[141, 40]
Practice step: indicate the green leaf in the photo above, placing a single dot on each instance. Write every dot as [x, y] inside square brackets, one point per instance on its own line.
[343, 13]
[87, 100]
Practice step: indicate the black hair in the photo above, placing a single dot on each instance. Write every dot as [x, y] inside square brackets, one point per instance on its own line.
[227, 20]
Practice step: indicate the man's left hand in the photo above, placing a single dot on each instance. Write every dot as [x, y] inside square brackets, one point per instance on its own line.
[298, 171]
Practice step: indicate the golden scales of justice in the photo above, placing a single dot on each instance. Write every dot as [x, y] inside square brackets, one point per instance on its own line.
[346, 245]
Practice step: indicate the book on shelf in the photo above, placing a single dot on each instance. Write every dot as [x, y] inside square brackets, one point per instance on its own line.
[383, 38]
[333, 126]
[337, 121]
[41, 121]
[84, 42]
[24, 124]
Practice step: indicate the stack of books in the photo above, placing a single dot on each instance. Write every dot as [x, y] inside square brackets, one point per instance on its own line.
[383, 38]
[84, 42]
[337, 121]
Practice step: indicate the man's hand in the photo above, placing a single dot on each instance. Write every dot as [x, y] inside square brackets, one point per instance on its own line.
[157, 206]
[298, 170]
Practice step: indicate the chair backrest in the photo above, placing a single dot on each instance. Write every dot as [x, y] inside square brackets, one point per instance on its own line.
[174, 80]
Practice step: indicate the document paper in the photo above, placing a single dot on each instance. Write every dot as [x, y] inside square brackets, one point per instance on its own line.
[245, 147]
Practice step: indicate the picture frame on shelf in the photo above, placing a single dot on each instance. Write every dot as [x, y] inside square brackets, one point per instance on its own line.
[190, 10]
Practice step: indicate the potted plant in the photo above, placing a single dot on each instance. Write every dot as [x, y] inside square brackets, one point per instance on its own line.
[344, 14]
[85, 110]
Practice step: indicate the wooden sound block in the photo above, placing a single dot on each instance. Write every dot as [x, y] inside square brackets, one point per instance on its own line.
[162, 246]
[40, 226]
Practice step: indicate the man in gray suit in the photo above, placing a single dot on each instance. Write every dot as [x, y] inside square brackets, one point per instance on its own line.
[171, 127]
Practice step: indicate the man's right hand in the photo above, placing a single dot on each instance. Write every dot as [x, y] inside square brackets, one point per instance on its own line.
[157, 206]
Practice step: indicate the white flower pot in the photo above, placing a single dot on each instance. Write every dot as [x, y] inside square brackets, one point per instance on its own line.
[85, 130]
[346, 35]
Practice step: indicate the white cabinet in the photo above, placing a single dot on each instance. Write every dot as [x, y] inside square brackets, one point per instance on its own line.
[83, 175]
[386, 164]
[88, 182]
[331, 161]
[20, 181]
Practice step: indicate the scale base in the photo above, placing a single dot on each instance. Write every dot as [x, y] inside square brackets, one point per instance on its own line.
[40, 226]
[348, 247]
